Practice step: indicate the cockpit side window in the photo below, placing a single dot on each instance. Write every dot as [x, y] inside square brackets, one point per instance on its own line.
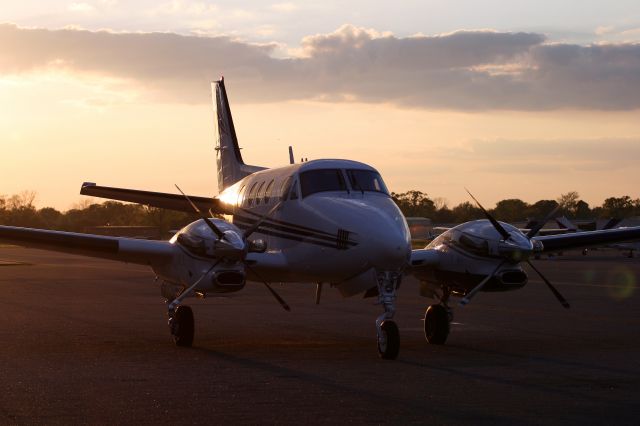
[294, 190]
[285, 188]
[313, 181]
[366, 180]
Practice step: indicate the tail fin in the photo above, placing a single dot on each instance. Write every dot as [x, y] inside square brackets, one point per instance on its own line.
[231, 168]
[565, 223]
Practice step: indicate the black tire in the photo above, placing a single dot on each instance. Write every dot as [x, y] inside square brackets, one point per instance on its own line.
[182, 326]
[390, 346]
[436, 324]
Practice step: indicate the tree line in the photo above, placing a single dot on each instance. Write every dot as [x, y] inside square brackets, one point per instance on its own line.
[20, 210]
[416, 203]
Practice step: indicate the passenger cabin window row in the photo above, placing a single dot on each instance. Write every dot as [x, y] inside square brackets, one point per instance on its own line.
[311, 182]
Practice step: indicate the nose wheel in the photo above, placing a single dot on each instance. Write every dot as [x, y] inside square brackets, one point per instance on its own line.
[388, 340]
[181, 326]
[388, 335]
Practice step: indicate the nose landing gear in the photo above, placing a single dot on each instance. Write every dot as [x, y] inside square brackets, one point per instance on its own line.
[181, 326]
[388, 335]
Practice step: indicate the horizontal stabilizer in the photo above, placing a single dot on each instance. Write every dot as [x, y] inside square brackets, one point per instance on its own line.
[154, 199]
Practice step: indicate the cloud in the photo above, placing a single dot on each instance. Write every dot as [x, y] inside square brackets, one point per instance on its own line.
[463, 70]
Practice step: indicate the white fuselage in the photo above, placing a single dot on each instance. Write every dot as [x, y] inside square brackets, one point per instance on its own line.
[324, 233]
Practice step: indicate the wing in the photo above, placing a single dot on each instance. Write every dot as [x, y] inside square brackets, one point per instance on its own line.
[155, 199]
[130, 250]
[588, 238]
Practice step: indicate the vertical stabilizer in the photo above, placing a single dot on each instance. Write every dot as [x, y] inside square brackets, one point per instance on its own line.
[231, 168]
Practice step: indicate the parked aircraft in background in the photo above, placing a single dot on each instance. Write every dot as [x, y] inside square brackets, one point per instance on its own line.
[628, 247]
[322, 221]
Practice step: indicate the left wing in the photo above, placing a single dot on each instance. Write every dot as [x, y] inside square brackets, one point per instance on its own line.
[155, 199]
[588, 238]
[131, 250]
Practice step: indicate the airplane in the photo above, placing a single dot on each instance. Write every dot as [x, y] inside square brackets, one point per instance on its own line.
[327, 221]
[629, 247]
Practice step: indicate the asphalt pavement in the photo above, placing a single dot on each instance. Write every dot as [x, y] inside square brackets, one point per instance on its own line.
[86, 341]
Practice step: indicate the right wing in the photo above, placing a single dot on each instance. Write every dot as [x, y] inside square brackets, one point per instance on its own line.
[156, 199]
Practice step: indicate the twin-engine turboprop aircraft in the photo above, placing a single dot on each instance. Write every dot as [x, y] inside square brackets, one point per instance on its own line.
[321, 221]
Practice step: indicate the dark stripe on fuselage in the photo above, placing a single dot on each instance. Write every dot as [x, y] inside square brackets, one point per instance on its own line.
[289, 224]
[324, 238]
[261, 230]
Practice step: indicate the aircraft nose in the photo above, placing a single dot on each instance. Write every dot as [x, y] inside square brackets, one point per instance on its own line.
[386, 240]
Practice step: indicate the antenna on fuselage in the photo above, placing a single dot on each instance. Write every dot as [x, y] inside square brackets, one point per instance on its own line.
[291, 160]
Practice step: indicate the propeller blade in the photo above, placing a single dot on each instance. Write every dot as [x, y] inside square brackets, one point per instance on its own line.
[280, 300]
[535, 229]
[175, 302]
[466, 299]
[256, 225]
[555, 292]
[211, 225]
[494, 222]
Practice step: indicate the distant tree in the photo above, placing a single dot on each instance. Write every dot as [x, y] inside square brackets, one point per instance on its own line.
[620, 207]
[23, 200]
[465, 212]
[511, 210]
[414, 203]
[583, 211]
[49, 218]
[540, 209]
[569, 202]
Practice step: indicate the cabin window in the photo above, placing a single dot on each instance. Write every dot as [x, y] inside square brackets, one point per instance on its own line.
[472, 244]
[313, 181]
[267, 192]
[294, 190]
[259, 193]
[366, 180]
[240, 198]
[251, 194]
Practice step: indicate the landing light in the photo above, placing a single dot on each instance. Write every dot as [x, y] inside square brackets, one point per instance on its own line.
[257, 246]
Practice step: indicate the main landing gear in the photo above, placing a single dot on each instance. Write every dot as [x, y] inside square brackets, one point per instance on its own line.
[181, 325]
[437, 319]
[388, 335]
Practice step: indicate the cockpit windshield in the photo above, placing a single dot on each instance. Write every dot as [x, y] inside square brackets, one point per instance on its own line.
[366, 180]
[464, 241]
[199, 239]
[320, 180]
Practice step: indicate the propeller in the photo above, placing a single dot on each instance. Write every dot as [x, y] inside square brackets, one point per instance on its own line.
[211, 225]
[494, 222]
[280, 300]
[506, 236]
[535, 229]
[555, 292]
[246, 235]
[467, 298]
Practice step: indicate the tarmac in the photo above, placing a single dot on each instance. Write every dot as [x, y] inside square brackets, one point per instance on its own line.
[85, 341]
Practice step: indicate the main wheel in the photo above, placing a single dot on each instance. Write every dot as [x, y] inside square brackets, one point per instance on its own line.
[181, 325]
[388, 340]
[436, 324]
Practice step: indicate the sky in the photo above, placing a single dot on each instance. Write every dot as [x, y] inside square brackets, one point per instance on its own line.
[510, 99]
